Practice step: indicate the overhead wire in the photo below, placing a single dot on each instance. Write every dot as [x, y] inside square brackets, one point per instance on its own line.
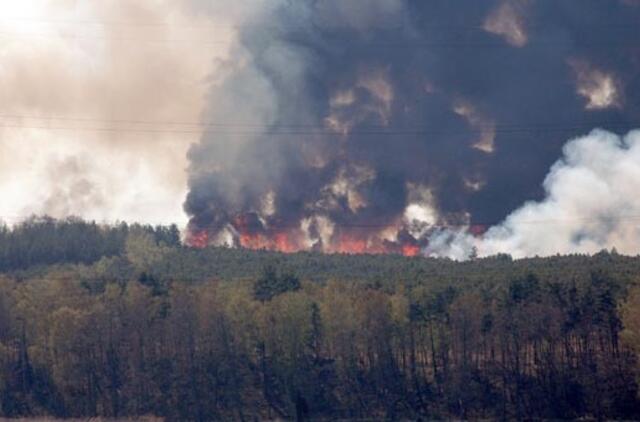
[632, 26]
[435, 226]
[293, 129]
[274, 131]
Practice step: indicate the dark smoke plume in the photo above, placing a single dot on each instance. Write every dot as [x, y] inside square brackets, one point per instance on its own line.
[366, 125]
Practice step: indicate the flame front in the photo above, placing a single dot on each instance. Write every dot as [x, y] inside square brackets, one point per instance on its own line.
[250, 232]
[279, 241]
[198, 239]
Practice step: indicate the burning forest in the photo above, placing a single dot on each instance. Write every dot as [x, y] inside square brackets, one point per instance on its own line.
[220, 210]
[408, 127]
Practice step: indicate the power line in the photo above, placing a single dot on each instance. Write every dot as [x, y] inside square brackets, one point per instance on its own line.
[437, 226]
[310, 126]
[274, 131]
[115, 121]
[469, 225]
[107, 23]
[212, 25]
[500, 44]
[114, 39]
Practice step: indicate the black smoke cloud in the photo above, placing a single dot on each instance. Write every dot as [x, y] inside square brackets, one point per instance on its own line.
[346, 110]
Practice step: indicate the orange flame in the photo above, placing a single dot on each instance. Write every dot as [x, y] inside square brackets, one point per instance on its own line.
[279, 241]
[284, 243]
[198, 239]
[410, 250]
[253, 235]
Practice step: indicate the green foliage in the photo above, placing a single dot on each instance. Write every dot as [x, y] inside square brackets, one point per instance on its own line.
[45, 241]
[270, 284]
[140, 325]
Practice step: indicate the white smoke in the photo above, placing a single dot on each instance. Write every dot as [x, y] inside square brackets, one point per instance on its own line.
[99, 103]
[591, 203]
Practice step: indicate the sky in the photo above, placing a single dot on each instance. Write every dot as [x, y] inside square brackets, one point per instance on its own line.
[449, 128]
[99, 102]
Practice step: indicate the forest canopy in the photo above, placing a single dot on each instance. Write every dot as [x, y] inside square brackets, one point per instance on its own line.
[123, 321]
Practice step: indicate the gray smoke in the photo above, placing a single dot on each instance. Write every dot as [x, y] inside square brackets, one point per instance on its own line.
[388, 119]
[93, 99]
[590, 203]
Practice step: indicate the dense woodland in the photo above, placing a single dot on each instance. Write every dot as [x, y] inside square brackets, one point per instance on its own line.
[124, 321]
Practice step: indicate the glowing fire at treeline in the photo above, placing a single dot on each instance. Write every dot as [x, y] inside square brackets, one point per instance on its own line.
[324, 136]
[248, 232]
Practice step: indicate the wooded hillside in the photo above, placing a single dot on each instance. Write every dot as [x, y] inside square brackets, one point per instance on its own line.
[125, 321]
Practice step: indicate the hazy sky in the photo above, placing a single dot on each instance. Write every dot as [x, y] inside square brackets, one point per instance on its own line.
[99, 101]
[102, 105]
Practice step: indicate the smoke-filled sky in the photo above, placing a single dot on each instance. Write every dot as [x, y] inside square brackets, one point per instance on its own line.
[339, 125]
[99, 102]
